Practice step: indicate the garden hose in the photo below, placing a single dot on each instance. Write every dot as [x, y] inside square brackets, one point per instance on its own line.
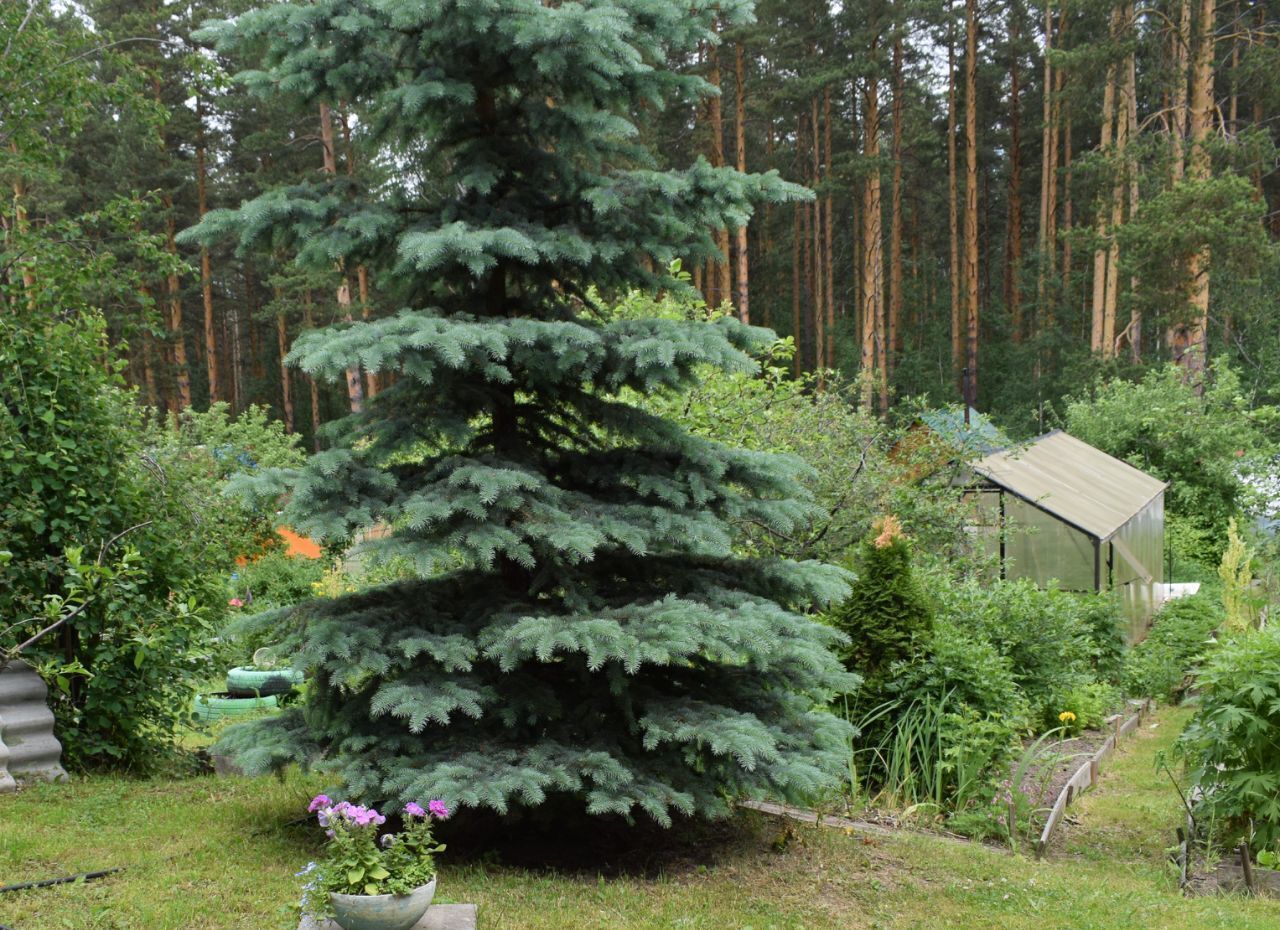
[65, 880]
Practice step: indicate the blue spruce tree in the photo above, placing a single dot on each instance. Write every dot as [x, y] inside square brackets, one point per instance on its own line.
[580, 628]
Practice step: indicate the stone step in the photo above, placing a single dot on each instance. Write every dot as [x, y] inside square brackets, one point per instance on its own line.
[438, 917]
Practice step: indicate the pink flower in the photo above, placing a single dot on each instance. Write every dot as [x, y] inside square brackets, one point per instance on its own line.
[414, 809]
[319, 801]
[235, 602]
[438, 810]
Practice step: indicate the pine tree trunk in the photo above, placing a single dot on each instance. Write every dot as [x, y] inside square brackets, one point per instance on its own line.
[355, 381]
[282, 347]
[971, 195]
[740, 132]
[1101, 277]
[1134, 327]
[1068, 217]
[818, 269]
[1047, 170]
[721, 269]
[362, 273]
[953, 218]
[1190, 343]
[1181, 41]
[313, 389]
[797, 360]
[895, 224]
[206, 269]
[1013, 250]
[829, 236]
[182, 373]
[873, 350]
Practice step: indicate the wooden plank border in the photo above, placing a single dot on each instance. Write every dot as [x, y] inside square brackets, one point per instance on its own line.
[1087, 775]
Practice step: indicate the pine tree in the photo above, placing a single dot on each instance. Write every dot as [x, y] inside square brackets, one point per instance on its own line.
[579, 628]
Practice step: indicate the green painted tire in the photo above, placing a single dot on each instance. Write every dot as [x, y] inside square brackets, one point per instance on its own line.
[210, 708]
[252, 682]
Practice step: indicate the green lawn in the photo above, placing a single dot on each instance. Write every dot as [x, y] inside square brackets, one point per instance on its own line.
[218, 854]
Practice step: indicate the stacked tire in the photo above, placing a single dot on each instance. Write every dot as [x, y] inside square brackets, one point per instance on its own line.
[253, 682]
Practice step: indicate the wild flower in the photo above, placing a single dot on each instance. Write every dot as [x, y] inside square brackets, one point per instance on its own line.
[1066, 717]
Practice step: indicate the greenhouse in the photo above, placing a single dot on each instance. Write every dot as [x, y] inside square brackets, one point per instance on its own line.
[1057, 508]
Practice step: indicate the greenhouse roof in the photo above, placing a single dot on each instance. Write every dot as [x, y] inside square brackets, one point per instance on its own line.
[1072, 480]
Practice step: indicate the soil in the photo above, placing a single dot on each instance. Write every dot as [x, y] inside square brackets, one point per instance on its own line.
[1059, 760]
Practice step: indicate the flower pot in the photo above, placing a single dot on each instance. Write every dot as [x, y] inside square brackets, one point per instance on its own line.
[382, 911]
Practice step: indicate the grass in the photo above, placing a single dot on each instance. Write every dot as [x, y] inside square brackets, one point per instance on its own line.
[219, 854]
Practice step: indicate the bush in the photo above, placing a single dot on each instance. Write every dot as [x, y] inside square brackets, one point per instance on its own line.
[125, 665]
[92, 475]
[934, 728]
[887, 614]
[1158, 666]
[1055, 641]
[1202, 438]
[277, 579]
[1232, 746]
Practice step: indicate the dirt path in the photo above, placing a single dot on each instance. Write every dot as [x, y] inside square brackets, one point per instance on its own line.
[1130, 816]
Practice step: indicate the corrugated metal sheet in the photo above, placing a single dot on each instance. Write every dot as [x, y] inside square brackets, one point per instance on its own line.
[28, 748]
[1075, 482]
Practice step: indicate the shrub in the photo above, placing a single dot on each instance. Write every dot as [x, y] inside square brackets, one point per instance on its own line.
[124, 667]
[1199, 437]
[887, 613]
[935, 727]
[277, 579]
[1048, 636]
[1232, 746]
[1158, 666]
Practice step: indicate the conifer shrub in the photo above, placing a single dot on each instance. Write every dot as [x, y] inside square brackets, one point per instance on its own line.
[887, 615]
[578, 627]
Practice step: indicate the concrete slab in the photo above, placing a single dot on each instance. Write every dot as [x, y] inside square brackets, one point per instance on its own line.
[438, 917]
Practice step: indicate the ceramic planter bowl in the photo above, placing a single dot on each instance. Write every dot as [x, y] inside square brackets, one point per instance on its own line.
[382, 911]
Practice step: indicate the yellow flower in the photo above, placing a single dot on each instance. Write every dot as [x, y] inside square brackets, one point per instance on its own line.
[1066, 717]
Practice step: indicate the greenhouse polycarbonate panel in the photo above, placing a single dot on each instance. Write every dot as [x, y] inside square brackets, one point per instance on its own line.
[1042, 548]
[1075, 482]
[1143, 538]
